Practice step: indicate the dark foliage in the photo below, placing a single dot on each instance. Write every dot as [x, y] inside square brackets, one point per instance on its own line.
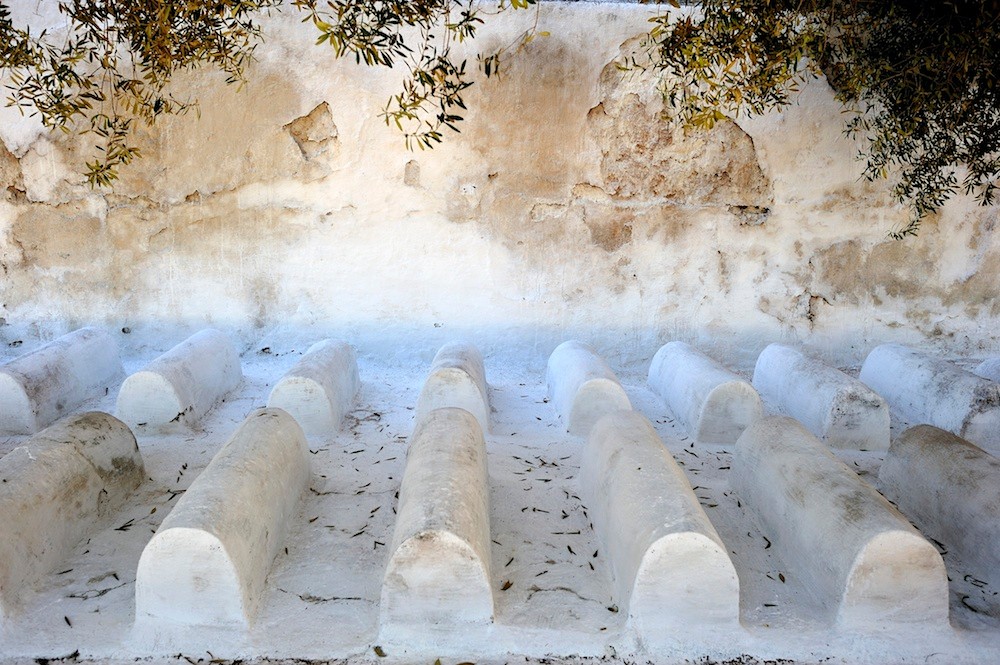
[920, 80]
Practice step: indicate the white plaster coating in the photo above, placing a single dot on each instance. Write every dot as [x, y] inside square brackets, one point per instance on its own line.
[438, 576]
[951, 489]
[860, 556]
[927, 390]
[48, 383]
[669, 565]
[839, 409]
[713, 403]
[319, 389]
[57, 489]
[457, 379]
[582, 387]
[208, 561]
[182, 385]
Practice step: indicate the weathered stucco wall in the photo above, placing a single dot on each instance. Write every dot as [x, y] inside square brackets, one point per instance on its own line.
[565, 208]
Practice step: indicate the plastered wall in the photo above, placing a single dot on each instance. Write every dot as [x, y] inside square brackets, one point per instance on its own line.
[566, 207]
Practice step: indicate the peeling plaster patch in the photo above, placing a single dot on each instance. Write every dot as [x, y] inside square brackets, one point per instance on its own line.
[585, 190]
[897, 269]
[66, 236]
[978, 293]
[980, 241]
[11, 177]
[411, 174]
[315, 132]
[546, 226]
[47, 174]
[904, 271]
[646, 156]
[610, 229]
[596, 181]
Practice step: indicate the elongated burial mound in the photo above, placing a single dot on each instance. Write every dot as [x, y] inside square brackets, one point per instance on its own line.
[182, 385]
[438, 577]
[457, 379]
[951, 490]
[714, 404]
[209, 559]
[669, 565]
[989, 369]
[319, 389]
[839, 409]
[928, 390]
[582, 387]
[855, 551]
[48, 383]
[57, 489]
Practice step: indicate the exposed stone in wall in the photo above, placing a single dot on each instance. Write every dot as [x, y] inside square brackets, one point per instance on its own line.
[314, 133]
[11, 178]
[750, 215]
[645, 156]
[411, 174]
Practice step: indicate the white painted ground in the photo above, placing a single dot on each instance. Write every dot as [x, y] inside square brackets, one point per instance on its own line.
[550, 575]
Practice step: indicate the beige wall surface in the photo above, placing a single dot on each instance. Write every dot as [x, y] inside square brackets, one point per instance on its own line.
[566, 208]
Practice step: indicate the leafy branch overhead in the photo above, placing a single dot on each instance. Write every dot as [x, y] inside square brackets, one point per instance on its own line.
[919, 80]
[108, 70]
[111, 66]
[419, 34]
